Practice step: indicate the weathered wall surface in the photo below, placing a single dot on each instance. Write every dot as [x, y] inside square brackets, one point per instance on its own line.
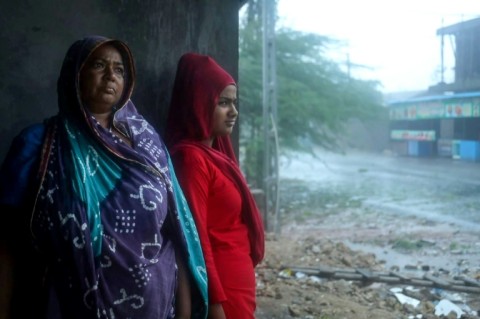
[35, 36]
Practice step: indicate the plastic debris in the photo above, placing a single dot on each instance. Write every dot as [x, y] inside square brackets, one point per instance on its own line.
[403, 299]
[445, 306]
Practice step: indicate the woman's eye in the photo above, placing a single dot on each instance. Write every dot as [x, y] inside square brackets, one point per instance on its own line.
[120, 71]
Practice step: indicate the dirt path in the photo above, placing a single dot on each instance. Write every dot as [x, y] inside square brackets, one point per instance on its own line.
[338, 226]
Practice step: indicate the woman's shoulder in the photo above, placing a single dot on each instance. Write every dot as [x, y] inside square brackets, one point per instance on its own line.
[33, 133]
[19, 163]
[28, 141]
[189, 153]
[190, 156]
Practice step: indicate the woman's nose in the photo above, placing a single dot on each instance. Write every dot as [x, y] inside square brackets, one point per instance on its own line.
[233, 111]
[110, 72]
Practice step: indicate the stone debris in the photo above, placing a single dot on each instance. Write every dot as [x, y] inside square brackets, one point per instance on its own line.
[283, 293]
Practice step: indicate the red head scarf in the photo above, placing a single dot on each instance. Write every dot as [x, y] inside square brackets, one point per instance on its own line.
[198, 84]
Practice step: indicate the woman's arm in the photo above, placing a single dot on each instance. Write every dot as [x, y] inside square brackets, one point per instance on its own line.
[194, 177]
[17, 173]
[183, 300]
[215, 311]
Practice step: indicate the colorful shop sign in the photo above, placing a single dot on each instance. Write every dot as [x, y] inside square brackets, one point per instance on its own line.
[411, 135]
[436, 109]
[430, 110]
[462, 109]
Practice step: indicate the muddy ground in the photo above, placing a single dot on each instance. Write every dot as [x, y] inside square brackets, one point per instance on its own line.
[344, 231]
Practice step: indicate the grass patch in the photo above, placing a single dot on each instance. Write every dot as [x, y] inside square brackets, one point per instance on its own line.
[456, 246]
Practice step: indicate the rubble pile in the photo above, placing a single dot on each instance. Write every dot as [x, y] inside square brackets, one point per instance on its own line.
[283, 293]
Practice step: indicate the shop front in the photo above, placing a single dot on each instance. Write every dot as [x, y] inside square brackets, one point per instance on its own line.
[441, 125]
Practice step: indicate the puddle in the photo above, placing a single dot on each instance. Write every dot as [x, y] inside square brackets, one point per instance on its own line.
[418, 263]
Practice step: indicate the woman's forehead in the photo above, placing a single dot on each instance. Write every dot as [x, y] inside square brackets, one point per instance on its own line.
[229, 91]
[107, 50]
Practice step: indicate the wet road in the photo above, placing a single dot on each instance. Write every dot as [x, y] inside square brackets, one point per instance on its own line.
[440, 189]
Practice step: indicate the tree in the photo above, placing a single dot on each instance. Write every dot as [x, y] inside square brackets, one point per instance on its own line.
[315, 97]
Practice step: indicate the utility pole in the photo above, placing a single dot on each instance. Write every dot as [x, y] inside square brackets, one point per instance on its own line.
[270, 159]
[442, 63]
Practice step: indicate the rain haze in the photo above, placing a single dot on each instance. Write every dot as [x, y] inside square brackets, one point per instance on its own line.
[411, 202]
[397, 44]
[396, 40]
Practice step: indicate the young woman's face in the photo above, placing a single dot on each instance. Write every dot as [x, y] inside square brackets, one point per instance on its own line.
[102, 79]
[225, 113]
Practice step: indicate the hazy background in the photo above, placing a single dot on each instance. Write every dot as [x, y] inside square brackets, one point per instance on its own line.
[396, 39]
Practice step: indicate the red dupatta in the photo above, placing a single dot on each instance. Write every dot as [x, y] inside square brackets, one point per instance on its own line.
[198, 83]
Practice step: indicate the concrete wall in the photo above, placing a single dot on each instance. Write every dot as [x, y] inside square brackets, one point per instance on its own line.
[36, 34]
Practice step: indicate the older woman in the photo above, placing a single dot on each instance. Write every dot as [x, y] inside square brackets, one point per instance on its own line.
[201, 117]
[112, 233]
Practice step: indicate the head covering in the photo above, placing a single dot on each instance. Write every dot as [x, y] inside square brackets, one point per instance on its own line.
[126, 118]
[107, 214]
[68, 87]
[198, 84]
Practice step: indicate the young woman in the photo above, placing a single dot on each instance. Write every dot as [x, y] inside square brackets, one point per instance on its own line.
[201, 117]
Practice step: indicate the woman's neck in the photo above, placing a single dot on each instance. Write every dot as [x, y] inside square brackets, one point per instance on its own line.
[208, 142]
[105, 121]
[103, 118]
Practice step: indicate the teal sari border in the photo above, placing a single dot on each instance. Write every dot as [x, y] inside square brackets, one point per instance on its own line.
[196, 262]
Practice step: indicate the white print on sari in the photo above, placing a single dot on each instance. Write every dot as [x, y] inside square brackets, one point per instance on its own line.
[151, 205]
[112, 243]
[137, 301]
[106, 262]
[140, 274]
[92, 161]
[69, 131]
[125, 221]
[108, 313]
[50, 192]
[89, 291]
[150, 251]
[77, 241]
[144, 126]
[149, 145]
[103, 314]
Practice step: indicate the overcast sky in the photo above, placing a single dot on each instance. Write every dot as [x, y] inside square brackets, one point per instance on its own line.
[397, 39]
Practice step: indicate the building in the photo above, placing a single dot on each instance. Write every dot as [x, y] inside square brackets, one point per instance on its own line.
[444, 121]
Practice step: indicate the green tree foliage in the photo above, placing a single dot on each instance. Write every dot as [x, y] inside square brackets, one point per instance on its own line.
[315, 96]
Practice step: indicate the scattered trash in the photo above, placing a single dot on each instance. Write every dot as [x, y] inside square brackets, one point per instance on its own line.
[300, 275]
[285, 273]
[445, 306]
[403, 299]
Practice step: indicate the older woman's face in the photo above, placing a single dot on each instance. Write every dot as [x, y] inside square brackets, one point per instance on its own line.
[102, 79]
